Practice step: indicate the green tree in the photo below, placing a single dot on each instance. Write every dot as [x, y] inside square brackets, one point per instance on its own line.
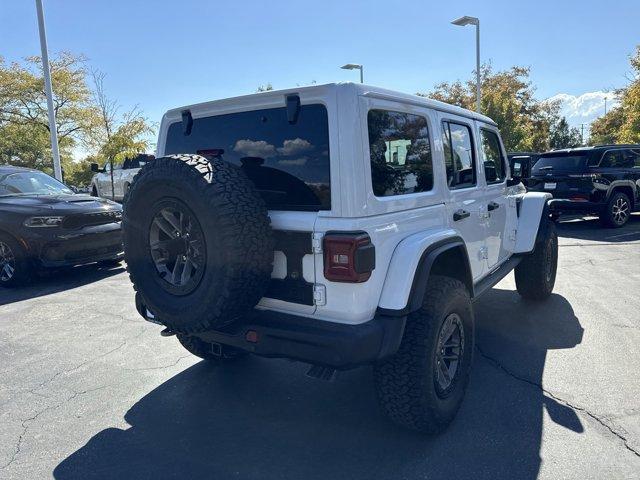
[114, 136]
[264, 88]
[622, 123]
[23, 109]
[562, 135]
[508, 98]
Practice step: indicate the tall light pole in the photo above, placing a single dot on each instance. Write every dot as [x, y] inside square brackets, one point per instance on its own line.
[354, 66]
[461, 22]
[57, 170]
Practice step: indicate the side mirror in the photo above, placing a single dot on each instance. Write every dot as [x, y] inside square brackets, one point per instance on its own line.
[95, 168]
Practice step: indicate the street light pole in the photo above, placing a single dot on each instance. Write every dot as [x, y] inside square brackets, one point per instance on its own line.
[57, 170]
[461, 22]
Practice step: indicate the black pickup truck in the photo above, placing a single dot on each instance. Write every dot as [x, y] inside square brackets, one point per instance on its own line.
[603, 180]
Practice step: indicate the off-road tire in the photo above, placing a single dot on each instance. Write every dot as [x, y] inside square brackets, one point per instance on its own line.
[202, 349]
[608, 216]
[406, 382]
[536, 273]
[234, 224]
[23, 267]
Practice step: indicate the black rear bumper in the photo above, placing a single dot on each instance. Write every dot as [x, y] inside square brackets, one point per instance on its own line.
[319, 342]
[560, 205]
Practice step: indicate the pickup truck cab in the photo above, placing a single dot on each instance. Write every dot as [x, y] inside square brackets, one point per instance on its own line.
[123, 175]
[338, 225]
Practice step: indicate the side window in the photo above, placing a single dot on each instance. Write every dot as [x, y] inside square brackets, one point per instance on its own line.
[459, 156]
[612, 159]
[492, 158]
[633, 158]
[107, 167]
[400, 152]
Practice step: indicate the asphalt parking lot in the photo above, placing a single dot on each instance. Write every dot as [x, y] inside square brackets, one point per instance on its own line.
[89, 390]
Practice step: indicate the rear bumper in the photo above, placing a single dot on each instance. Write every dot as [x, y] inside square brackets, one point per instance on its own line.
[318, 342]
[559, 205]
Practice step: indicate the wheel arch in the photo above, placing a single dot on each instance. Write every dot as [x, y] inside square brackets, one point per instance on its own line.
[627, 189]
[534, 207]
[413, 262]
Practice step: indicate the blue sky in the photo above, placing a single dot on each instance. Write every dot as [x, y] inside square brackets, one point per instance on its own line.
[163, 54]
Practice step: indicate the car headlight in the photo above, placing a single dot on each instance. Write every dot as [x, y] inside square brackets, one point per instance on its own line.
[43, 221]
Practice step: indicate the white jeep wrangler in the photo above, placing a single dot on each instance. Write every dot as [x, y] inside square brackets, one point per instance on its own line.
[339, 225]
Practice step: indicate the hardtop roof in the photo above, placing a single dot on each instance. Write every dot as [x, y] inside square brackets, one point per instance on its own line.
[360, 89]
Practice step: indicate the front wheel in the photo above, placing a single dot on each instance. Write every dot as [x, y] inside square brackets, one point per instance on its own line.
[422, 386]
[617, 211]
[15, 268]
[206, 351]
[536, 273]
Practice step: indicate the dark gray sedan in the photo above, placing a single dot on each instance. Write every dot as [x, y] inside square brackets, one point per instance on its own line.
[44, 224]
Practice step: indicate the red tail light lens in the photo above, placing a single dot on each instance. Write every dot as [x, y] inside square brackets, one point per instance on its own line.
[348, 257]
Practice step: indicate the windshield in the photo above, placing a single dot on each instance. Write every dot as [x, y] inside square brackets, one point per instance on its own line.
[31, 183]
[563, 162]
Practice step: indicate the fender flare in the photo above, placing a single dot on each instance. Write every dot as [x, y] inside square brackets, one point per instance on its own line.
[533, 209]
[423, 271]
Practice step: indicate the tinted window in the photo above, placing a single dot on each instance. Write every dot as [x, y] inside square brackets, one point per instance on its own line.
[459, 156]
[400, 153]
[633, 158]
[288, 163]
[613, 159]
[494, 169]
[555, 162]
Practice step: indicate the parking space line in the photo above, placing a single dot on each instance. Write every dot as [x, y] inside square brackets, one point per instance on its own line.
[622, 235]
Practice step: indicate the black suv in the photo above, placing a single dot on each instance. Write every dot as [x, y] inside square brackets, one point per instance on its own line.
[603, 180]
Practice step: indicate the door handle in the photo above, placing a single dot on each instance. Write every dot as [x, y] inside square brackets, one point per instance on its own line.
[492, 206]
[460, 214]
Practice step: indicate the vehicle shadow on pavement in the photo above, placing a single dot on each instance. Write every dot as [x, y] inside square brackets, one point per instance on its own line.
[264, 419]
[591, 229]
[54, 281]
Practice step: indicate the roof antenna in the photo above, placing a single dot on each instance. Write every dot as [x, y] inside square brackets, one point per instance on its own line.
[187, 122]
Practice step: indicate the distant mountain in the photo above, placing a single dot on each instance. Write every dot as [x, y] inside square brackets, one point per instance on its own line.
[584, 108]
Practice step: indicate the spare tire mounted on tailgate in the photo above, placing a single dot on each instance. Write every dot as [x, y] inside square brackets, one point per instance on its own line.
[198, 242]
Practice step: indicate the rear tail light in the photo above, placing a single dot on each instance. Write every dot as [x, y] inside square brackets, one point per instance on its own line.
[348, 257]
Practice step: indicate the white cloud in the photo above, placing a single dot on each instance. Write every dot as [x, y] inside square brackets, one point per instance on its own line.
[253, 148]
[295, 147]
[297, 161]
[585, 108]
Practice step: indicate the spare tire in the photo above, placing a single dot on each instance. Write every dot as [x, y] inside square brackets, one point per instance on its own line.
[197, 241]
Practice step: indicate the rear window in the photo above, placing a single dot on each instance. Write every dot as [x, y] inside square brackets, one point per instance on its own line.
[560, 162]
[288, 163]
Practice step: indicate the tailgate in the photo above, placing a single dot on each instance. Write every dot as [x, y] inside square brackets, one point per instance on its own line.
[293, 276]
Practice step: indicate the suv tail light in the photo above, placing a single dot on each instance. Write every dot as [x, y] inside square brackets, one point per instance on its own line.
[348, 257]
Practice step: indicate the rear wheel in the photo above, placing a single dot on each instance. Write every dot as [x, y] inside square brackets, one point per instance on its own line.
[214, 353]
[536, 273]
[422, 386]
[617, 211]
[15, 268]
